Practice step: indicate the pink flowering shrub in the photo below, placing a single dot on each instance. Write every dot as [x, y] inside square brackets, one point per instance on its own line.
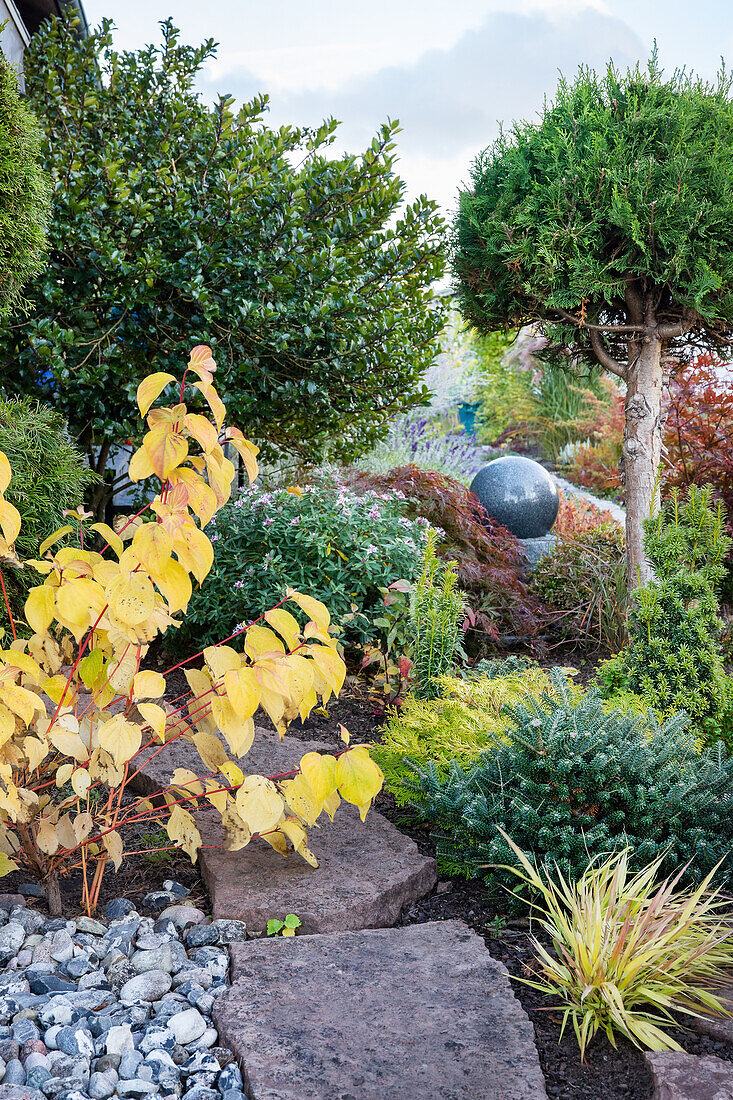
[338, 546]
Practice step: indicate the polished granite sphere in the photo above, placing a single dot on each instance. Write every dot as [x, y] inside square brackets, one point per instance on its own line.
[519, 494]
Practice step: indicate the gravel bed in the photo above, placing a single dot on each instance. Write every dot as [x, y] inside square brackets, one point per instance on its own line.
[120, 1006]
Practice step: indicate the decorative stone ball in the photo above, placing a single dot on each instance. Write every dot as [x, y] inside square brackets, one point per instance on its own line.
[519, 494]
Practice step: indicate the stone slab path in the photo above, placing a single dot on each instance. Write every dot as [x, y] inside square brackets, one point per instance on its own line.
[368, 871]
[421, 1011]
[690, 1076]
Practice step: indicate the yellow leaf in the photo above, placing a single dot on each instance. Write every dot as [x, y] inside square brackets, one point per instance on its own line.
[320, 771]
[140, 468]
[73, 601]
[70, 744]
[359, 778]
[239, 732]
[55, 537]
[285, 624]
[46, 838]
[22, 702]
[278, 841]
[148, 685]
[111, 536]
[35, 751]
[202, 430]
[331, 804]
[222, 658]
[166, 450]
[211, 750]
[318, 612]
[242, 691]
[330, 665]
[198, 679]
[39, 608]
[120, 738]
[55, 687]
[131, 598]
[201, 362]
[301, 800]
[150, 388]
[81, 782]
[122, 673]
[152, 546]
[113, 843]
[259, 803]
[195, 552]
[155, 717]
[214, 401]
[181, 828]
[9, 520]
[246, 450]
[201, 497]
[175, 584]
[236, 833]
[7, 865]
[63, 774]
[5, 472]
[234, 774]
[259, 640]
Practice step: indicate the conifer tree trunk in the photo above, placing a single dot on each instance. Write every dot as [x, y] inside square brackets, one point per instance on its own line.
[642, 449]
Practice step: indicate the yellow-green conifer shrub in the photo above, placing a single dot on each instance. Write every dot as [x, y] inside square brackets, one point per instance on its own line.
[457, 727]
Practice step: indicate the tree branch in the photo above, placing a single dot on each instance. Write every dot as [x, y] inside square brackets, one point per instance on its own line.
[604, 357]
[630, 329]
[668, 332]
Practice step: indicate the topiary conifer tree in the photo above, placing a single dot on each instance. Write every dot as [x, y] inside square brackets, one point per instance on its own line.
[609, 224]
[24, 193]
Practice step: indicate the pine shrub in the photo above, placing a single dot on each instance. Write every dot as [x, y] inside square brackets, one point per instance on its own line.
[435, 612]
[675, 659]
[572, 778]
[466, 720]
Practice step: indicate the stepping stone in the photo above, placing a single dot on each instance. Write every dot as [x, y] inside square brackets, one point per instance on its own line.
[368, 871]
[679, 1076]
[422, 1011]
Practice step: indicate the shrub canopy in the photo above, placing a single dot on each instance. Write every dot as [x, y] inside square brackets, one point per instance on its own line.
[177, 222]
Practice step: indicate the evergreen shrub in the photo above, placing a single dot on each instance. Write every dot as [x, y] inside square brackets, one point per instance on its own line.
[435, 612]
[49, 476]
[341, 547]
[572, 778]
[675, 659]
[466, 720]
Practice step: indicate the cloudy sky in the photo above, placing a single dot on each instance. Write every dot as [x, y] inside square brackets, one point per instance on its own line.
[449, 70]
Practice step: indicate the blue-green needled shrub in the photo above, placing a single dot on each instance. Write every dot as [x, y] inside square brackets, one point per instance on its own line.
[570, 778]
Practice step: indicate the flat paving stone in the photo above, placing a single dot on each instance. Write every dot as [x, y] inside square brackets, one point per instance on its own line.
[679, 1076]
[368, 871]
[421, 1011]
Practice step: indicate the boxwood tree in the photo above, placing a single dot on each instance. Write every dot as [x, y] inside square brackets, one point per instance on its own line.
[609, 224]
[176, 222]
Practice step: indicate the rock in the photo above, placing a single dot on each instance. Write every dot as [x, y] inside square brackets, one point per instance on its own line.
[157, 1038]
[50, 983]
[75, 1041]
[24, 1030]
[171, 957]
[158, 900]
[36, 1077]
[78, 966]
[470, 1038]
[679, 1076]
[136, 1087]
[187, 1026]
[118, 907]
[146, 987]
[183, 915]
[176, 889]
[102, 1084]
[231, 931]
[93, 927]
[206, 1040]
[200, 1062]
[196, 975]
[129, 1064]
[28, 918]
[9, 901]
[31, 890]
[119, 1039]
[62, 946]
[9, 1049]
[368, 871]
[12, 936]
[199, 1092]
[202, 935]
[14, 1073]
[16, 1092]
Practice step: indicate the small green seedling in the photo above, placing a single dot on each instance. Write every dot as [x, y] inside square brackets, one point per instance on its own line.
[283, 927]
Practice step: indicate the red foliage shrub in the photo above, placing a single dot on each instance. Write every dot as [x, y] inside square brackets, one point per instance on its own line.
[699, 431]
[576, 516]
[490, 559]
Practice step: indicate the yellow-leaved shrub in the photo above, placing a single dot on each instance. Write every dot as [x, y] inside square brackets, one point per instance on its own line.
[79, 715]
